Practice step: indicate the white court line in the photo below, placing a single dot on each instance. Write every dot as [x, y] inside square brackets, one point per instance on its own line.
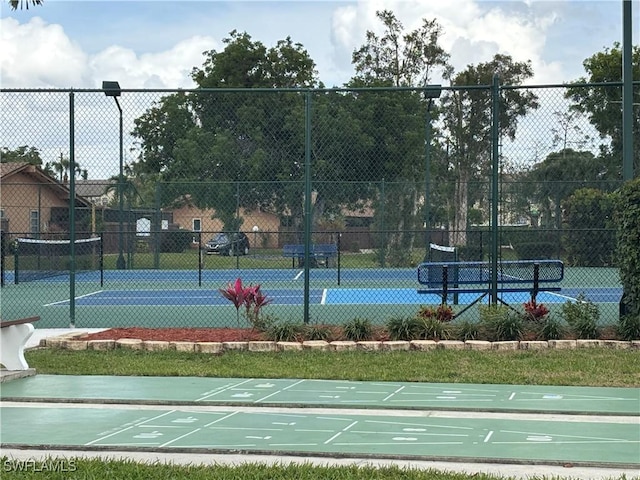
[486, 439]
[130, 427]
[578, 438]
[413, 424]
[297, 277]
[397, 443]
[392, 394]
[180, 437]
[340, 432]
[279, 391]
[513, 394]
[323, 300]
[68, 300]
[224, 390]
[221, 419]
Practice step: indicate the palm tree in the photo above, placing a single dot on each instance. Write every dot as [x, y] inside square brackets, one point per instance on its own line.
[62, 168]
[24, 3]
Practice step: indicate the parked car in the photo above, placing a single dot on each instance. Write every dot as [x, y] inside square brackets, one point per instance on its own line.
[235, 243]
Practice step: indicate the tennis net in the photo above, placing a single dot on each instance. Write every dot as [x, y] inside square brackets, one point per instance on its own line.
[37, 259]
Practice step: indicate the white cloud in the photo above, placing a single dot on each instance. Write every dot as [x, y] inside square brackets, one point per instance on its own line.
[41, 55]
[472, 33]
[38, 55]
[168, 69]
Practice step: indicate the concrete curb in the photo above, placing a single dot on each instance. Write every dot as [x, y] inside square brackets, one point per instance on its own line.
[73, 342]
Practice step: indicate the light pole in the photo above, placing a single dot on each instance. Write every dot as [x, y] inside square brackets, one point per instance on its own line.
[112, 89]
[430, 93]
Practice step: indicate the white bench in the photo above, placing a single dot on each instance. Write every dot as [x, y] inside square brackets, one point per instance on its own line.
[14, 335]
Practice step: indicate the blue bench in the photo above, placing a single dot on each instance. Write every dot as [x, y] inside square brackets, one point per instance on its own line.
[444, 278]
[319, 253]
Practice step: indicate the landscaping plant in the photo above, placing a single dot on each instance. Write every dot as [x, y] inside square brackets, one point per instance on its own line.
[582, 317]
[253, 300]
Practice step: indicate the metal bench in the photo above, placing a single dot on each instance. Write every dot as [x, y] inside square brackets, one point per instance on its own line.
[14, 335]
[320, 253]
[444, 278]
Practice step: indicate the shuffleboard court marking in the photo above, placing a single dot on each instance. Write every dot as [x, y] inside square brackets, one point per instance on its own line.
[221, 389]
[127, 427]
[322, 393]
[317, 434]
[280, 391]
[388, 397]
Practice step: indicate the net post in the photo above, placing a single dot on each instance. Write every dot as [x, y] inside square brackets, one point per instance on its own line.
[2, 257]
[101, 259]
[338, 255]
[16, 264]
[536, 281]
[200, 260]
[445, 282]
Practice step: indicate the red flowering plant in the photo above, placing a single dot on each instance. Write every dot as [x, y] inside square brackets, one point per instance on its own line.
[251, 297]
[443, 313]
[535, 311]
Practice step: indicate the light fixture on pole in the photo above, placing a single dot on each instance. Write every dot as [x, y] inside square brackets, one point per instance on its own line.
[430, 92]
[112, 89]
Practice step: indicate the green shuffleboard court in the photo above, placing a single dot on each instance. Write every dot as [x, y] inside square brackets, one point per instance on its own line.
[323, 393]
[183, 429]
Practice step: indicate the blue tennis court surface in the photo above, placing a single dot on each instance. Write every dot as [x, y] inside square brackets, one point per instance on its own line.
[327, 296]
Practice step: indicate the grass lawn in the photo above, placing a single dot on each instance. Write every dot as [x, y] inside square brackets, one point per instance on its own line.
[596, 367]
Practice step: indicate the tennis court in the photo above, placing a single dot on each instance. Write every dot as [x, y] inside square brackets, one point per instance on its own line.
[191, 297]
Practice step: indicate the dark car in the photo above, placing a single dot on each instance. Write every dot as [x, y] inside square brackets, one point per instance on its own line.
[236, 243]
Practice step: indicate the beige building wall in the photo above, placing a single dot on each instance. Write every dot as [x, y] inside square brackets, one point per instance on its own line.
[265, 236]
[19, 197]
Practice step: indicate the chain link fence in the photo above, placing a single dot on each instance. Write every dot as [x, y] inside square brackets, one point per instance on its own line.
[328, 199]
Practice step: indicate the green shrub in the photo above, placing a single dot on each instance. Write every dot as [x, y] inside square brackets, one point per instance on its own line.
[358, 329]
[500, 323]
[318, 332]
[288, 331]
[629, 327]
[589, 210]
[552, 329]
[582, 317]
[628, 251]
[470, 253]
[536, 251]
[432, 329]
[467, 330]
[402, 328]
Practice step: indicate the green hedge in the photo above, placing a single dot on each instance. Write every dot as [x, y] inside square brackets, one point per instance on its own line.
[628, 223]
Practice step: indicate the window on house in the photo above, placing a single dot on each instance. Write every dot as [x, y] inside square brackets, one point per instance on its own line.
[34, 222]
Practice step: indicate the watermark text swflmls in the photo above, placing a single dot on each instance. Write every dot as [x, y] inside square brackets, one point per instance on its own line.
[33, 465]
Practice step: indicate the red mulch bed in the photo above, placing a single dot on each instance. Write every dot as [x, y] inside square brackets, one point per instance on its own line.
[178, 334]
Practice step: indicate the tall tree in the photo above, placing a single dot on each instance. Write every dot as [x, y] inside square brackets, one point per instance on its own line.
[603, 104]
[467, 114]
[394, 123]
[397, 58]
[62, 168]
[21, 154]
[206, 143]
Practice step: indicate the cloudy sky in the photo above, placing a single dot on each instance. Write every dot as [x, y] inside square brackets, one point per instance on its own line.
[155, 44]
